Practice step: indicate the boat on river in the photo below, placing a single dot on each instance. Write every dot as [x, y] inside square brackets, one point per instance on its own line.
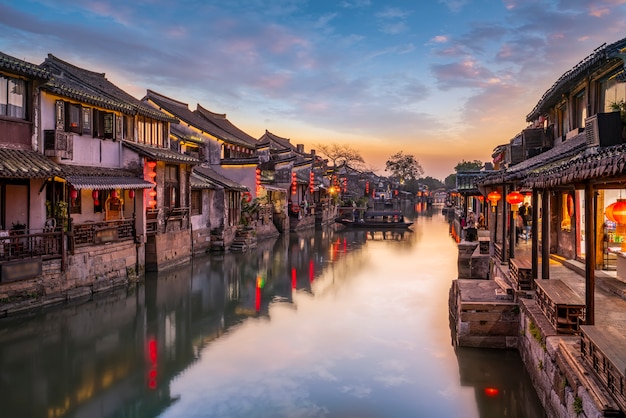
[385, 219]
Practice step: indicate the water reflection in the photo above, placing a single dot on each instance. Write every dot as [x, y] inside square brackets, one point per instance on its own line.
[314, 324]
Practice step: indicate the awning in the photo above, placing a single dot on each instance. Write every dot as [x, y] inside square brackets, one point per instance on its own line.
[200, 182]
[107, 183]
[24, 164]
[101, 178]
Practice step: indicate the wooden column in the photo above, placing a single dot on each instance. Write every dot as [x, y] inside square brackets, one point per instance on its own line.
[545, 234]
[505, 242]
[590, 252]
[534, 241]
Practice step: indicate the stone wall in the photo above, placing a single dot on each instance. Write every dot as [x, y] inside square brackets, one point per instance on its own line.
[168, 249]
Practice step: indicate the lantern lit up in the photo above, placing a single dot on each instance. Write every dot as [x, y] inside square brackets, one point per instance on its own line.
[514, 199]
[151, 164]
[608, 212]
[494, 197]
[94, 194]
[114, 194]
[131, 194]
[619, 213]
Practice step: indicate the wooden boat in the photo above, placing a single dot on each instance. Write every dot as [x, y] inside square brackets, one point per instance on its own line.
[374, 219]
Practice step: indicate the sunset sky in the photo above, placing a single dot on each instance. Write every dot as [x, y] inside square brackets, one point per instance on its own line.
[444, 80]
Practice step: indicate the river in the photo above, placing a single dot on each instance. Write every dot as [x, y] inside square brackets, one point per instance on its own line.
[315, 324]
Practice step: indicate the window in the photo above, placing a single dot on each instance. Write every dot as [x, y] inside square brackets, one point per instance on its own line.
[73, 119]
[611, 92]
[172, 195]
[196, 202]
[12, 97]
[234, 202]
[103, 124]
[86, 120]
[580, 110]
[75, 204]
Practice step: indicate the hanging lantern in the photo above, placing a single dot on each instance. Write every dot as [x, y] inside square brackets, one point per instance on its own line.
[152, 203]
[151, 164]
[608, 212]
[73, 194]
[96, 202]
[494, 197]
[294, 183]
[152, 174]
[152, 193]
[619, 211]
[514, 199]
[94, 194]
[114, 194]
[131, 194]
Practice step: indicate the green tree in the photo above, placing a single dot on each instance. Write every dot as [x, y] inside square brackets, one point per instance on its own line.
[450, 182]
[432, 183]
[404, 167]
[468, 165]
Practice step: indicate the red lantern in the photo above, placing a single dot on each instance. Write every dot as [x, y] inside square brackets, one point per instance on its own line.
[131, 194]
[514, 199]
[608, 212]
[73, 193]
[152, 193]
[94, 194]
[96, 202]
[151, 164]
[114, 194]
[494, 197]
[619, 211]
[152, 203]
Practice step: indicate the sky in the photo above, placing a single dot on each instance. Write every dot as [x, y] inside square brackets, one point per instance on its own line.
[442, 80]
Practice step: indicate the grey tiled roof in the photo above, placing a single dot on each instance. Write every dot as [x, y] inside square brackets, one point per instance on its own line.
[93, 88]
[218, 179]
[101, 178]
[22, 164]
[18, 66]
[160, 154]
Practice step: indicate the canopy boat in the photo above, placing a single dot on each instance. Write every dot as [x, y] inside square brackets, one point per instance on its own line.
[374, 219]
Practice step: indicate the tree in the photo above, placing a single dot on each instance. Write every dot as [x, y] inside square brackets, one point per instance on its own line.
[469, 166]
[450, 182]
[431, 183]
[341, 154]
[404, 167]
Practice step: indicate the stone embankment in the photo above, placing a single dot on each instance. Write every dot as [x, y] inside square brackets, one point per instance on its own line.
[574, 375]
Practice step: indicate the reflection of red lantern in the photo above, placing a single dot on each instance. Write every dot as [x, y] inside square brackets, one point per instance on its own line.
[131, 194]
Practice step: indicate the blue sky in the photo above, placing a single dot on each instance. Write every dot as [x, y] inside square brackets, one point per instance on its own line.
[443, 80]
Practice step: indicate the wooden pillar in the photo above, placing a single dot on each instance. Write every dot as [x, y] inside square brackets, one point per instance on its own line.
[534, 241]
[545, 234]
[505, 208]
[590, 252]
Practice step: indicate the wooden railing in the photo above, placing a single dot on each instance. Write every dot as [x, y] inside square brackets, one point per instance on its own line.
[91, 233]
[16, 245]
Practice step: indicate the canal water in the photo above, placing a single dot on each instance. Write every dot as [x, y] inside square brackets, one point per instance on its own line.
[317, 324]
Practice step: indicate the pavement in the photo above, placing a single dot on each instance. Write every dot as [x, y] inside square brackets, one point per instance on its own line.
[610, 293]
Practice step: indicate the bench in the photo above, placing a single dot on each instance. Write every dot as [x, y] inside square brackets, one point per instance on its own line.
[563, 308]
[602, 348]
[520, 271]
